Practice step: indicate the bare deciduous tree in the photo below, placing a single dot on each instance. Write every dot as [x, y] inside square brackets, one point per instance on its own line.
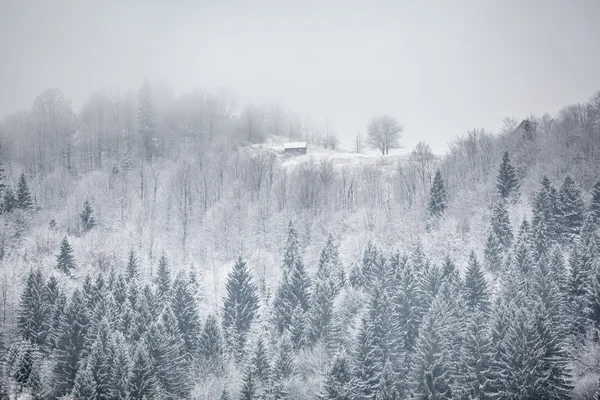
[384, 133]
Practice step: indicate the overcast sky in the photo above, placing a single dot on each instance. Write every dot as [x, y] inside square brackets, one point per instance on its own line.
[439, 67]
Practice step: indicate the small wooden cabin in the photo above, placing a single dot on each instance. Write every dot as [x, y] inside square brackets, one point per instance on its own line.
[295, 148]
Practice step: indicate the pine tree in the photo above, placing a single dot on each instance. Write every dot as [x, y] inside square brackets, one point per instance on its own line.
[70, 343]
[249, 391]
[410, 306]
[507, 182]
[132, 270]
[166, 350]
[143, 384]
[211, 343]
[367, 366]
[294, 291]
[121, 368]
[185, 309]
[545, 223]
[338, 381]
[594, 210]
[33, 315]
[501, 225]
[88, 221]
[99, 363]
[571, 207]
[65, 261]
[261, 368]
[577, 291]
[84, 385]
[518, 369]
[592, 295]
[9, 201]
[493, 253]
[432, 374]
[284, 364]
[476, 286]
[240, 307]
[147, 121]
[23, 200]
[474, 380]
[438, 199]
[163, 277]
[291, 254]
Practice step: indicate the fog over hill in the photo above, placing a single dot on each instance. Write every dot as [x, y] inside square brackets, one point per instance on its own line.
[315, 219]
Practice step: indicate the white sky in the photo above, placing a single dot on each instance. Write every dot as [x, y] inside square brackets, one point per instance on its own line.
[440, 67]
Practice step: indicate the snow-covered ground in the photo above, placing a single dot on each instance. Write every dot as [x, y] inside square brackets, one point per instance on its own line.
[340, 158]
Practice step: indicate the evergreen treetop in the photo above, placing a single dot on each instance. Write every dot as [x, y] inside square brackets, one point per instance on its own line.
[506, 181]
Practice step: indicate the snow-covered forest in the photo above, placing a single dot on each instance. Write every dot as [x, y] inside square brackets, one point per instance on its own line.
[156, 246]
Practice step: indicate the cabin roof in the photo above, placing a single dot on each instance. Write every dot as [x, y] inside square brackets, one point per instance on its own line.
[294, 145]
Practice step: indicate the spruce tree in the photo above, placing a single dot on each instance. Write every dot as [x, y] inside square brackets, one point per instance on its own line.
[367, 366]
[594, 209]
[507, 182]
[284, 364]
[260, 365]
[70, 343]
[432, 373]
[88, 221]
[410, 306]
[185, 309]
[23, 200]
[240, 307]
[33, 316]
[438, 199]
[65, 261]
[211, 344]
[577, 291]
[84, 386]
[121, 368]
[493, 253]
[474, 380]
[143, 383]
[294, 291]
[9, 201]
[546, 214]
[501, 225]
[132, 270]
[167, 354]
[338, 381]
[291, 253]
[571, 207]
[163, 277]
[476, 287]
[249, 391]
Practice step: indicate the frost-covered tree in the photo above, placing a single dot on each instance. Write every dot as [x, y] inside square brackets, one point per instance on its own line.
[70, 343]
[163, 277]
[545, 223]
[501, 225]
[65, 260]
[477, 295]
[211, 343]
[432, 371]
[367, 365]
[33, 315]
[571, 208]
[24, 199]
[88, 221]
[438, 199]
[594, 209]
[507, 182]
[240, 307]
[493, 253]
[143, 383]
[337, 385]
[132, 269]
[384, 133]
[185, 311]
[293, 292]
[9, 201]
